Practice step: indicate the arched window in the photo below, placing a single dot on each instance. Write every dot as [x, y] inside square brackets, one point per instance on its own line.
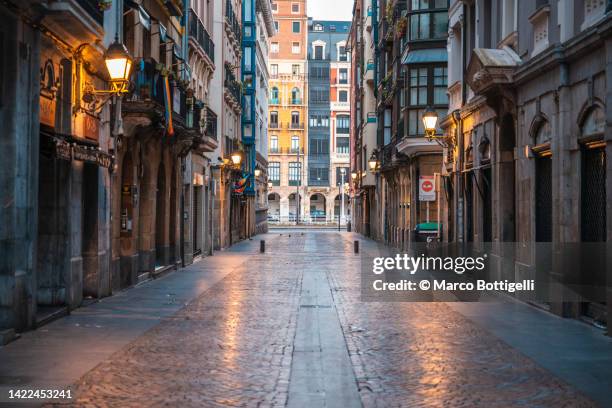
[274, 95]
[295, 96]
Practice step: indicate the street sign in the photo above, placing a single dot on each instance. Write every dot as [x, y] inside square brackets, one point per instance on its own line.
[427, 188]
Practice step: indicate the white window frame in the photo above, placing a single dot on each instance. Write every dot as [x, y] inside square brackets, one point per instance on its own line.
[295, 50]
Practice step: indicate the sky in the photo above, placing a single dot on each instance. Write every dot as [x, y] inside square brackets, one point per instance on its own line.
[330, 9]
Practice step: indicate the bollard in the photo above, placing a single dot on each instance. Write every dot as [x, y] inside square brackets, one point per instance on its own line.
[262, 246]
[356, 246]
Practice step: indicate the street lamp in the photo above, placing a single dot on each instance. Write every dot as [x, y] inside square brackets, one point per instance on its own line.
[354, 175]
[430, 121]
[373, 163]
[118, 62]
[257, 172]
[236, 158]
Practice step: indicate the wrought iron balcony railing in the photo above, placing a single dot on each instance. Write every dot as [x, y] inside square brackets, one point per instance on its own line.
[233, 21]
[198, 32]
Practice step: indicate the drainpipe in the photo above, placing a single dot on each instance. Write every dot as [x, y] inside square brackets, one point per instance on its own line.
[375, 21]
[456, 116]
[185, 38]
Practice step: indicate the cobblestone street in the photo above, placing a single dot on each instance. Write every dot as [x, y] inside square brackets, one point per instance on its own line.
[291, 331]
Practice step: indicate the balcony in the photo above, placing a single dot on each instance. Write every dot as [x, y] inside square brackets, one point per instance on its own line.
[273, 125]
[274, 101]
[75, 21]
[147, 98]
[233, 89]
[294, 125]
[199, 37]
[286, 150]
[232, 25]
[296, 101]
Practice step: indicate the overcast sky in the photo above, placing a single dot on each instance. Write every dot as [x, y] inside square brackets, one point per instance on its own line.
[330, 9]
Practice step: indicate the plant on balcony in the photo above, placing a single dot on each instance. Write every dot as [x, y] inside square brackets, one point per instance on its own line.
[400, 26]
[104, 5]
[389, 12]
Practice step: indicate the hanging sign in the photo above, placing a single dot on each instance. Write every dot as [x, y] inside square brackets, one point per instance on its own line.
[427, 188]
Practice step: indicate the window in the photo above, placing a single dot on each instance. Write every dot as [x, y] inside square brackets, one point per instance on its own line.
[342, 145]
[276, 25]
[274, 96]
[295, 96]
[318, 52]
[342, 56]
[274, 70]
[295, 143]
[319, 72]
[418, 86]
[296, 26]
[319, 95]
[295, 8]
[342, 96]
[343, 76]
[295, 69]
[440, 86]
[274, 173]
[428, 19]
[295, 176]
[295, 119]
[318, 176]
[317, 27]
[295, 48]
[427, 87]
[318, 147]
[273, 144]
[274, 7]
[319, 121]
[274, 119]
[274, 48]
[343, 124]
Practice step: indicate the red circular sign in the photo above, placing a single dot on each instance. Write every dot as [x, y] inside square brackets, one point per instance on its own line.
[427, 186]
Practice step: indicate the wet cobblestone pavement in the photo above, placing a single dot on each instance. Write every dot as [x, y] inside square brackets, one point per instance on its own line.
[234, 345]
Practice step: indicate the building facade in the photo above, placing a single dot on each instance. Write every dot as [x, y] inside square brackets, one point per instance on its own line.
[56, 149]
[107, 189]
[197, 189]
[328, 121]
[366, 209]
[527, 165]
[288, 110]
[265, 30]
[410, 76]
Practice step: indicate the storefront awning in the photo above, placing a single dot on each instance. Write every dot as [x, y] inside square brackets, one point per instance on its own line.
[425, 56]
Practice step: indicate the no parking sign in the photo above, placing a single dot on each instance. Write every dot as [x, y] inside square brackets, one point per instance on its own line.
[427, 188]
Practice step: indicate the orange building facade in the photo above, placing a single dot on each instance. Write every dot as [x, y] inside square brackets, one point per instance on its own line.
[288, 110]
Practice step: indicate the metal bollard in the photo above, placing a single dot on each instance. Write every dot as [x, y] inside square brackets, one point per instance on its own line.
[356, 246]
[262, 246]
